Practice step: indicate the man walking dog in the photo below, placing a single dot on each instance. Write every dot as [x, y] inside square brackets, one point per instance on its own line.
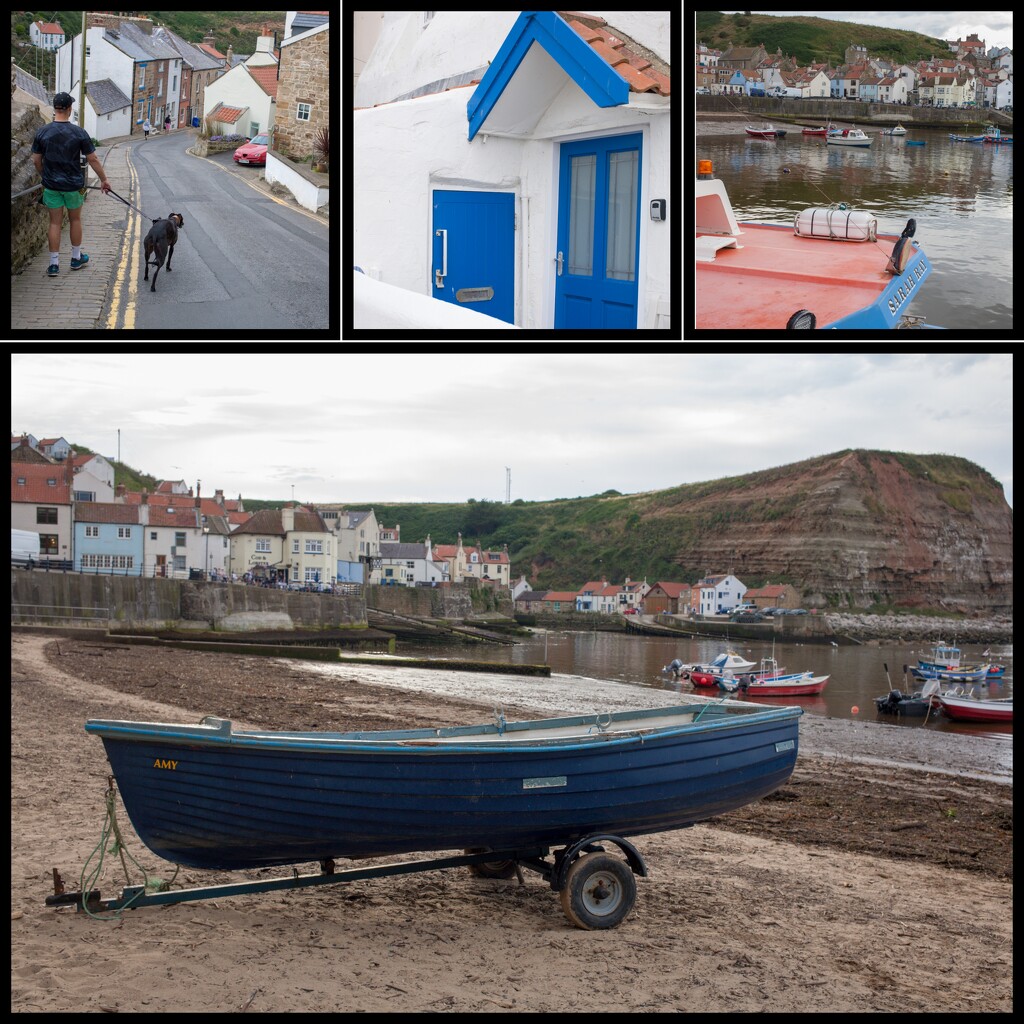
[55, 152]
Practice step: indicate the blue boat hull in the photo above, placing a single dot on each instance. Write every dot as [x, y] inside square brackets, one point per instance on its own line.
[211, 797]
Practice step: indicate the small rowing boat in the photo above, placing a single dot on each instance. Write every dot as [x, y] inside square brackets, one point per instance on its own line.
[766, 131]
[218, 797]
[970, 709]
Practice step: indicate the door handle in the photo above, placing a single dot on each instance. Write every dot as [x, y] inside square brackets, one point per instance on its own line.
[558, 260]
[440, 275]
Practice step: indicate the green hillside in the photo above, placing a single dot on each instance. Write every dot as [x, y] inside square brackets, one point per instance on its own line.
[813, 40]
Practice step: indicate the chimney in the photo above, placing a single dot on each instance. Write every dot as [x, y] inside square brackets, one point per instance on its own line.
[119, 492]
[288, 518]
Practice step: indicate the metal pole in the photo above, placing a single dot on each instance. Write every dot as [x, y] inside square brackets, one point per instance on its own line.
[81, 84]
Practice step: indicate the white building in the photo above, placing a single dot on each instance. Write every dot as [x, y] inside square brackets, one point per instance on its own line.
[517, 164]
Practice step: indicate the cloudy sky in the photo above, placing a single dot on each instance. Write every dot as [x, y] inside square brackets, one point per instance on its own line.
[443, 427]
[994, 27]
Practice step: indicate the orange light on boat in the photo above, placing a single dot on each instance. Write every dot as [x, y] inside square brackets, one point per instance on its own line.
[704, 169]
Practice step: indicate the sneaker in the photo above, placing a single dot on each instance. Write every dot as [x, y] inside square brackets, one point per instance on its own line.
[79, 263]
[52, 270]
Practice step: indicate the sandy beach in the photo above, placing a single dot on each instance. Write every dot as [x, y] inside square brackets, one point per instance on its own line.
[857, 887]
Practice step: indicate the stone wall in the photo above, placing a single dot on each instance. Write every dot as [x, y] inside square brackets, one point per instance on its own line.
[130, 602]
[29, 220]
[304, 78]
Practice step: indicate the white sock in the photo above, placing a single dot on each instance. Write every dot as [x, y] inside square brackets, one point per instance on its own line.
[76, 252]
[54, 258]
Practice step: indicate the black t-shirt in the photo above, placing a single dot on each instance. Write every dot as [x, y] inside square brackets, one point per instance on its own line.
[60, 144]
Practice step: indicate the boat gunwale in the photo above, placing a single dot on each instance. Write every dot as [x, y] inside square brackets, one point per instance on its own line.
[511, 737]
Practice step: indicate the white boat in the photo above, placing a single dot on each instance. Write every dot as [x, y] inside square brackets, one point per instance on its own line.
[730, 661]
[898, 130]
[850, 137]
[727, 661]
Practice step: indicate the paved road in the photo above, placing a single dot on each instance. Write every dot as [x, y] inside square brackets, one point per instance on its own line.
[243, 260]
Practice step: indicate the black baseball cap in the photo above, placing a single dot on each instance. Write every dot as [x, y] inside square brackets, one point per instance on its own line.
[62, 101]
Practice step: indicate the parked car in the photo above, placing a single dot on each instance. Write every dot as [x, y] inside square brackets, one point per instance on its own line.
[254, 151]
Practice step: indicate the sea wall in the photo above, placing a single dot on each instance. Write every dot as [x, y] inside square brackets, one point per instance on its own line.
[134, 603]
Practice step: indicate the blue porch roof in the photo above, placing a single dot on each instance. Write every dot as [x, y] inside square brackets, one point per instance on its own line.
[585, 67]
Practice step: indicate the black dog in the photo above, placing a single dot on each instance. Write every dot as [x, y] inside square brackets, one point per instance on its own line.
[160, 240]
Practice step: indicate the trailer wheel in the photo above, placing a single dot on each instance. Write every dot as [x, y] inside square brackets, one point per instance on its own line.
[599, 891]
[491, 868]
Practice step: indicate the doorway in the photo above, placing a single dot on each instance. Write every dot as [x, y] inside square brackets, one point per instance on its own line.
[598, 233]
[473, 251]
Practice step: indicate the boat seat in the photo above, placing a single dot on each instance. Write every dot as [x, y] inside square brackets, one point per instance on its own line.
[708, 245]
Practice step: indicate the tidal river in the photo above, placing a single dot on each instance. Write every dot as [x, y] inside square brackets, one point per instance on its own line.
[614, 671]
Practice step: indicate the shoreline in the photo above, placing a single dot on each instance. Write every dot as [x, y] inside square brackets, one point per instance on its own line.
[871, 864]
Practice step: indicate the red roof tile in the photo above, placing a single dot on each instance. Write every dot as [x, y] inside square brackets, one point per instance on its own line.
[634, 68]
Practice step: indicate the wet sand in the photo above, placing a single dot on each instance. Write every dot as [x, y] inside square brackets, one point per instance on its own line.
[855, 887]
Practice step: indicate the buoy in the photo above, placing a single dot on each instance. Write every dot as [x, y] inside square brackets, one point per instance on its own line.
[854, 710]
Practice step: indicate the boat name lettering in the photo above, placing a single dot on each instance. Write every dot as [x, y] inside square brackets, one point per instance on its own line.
[162, 762]
[784, 745]
[545, 782]
[907, 287]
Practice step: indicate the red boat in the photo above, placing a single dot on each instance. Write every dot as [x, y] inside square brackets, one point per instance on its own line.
[970, 709]
[815, 131]
[700, 678]
[766, 131]
[801, 684]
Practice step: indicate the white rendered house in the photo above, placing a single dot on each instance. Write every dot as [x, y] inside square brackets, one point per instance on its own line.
[517, 164]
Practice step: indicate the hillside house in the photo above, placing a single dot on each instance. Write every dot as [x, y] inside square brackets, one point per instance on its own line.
[517, 164]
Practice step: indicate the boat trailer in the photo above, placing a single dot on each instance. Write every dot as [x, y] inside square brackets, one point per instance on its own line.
[597, 890]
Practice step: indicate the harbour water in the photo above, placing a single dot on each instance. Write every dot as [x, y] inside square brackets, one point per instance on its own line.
[960, 194]
[614, 671]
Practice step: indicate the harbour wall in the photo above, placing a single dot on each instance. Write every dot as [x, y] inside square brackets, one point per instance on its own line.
[132, 603]
[850, 110]
[458, 601]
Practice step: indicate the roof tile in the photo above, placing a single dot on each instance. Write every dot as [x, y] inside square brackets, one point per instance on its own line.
[632, 66]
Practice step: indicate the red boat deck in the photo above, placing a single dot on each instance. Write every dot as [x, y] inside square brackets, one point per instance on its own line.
[777, 273]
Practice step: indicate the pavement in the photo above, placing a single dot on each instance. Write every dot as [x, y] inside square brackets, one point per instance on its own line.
[74, 300]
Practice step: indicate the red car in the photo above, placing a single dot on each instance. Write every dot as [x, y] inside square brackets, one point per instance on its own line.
[254, 151]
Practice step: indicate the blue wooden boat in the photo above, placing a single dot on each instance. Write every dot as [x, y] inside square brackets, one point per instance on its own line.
[213, 796]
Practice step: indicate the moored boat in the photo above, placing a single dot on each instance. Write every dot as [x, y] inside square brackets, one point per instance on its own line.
[771, 681]
[945, 664]
[849, 137]
[765, 131]
[217, 797]
[966, 708]
[815, 131]
[917, 704]
[963, 674]
[898, 130]
[766, 276]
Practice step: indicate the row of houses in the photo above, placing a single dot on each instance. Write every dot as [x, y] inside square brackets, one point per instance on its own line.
[712, 595]
[83, 520]
[967, 79]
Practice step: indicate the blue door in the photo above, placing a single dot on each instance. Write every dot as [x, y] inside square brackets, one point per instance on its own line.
[473, 252]
[598, 233]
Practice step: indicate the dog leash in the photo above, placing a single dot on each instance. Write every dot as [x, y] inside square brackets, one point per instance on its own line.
[99, 188]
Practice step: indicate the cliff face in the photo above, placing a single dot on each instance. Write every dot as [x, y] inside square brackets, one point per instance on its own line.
[855, 529]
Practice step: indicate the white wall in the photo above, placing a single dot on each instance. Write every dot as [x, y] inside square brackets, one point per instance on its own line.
[403, 150]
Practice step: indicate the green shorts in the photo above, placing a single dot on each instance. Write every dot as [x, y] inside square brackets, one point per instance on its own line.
[55, 200]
